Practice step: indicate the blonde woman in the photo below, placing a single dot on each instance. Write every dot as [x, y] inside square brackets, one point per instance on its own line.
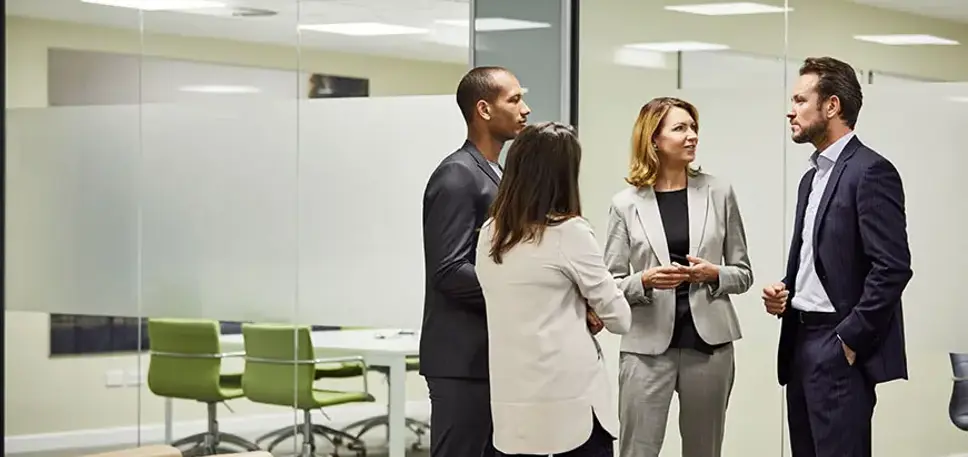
[677, 245]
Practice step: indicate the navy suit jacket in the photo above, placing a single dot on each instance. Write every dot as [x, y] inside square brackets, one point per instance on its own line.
[862, 259]
[456, 202]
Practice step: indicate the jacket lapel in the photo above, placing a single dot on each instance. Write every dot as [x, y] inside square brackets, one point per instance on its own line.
[648, 209]
[482, 163]
[793, 257]
[828, 191]
[697, 194]
[803, 194]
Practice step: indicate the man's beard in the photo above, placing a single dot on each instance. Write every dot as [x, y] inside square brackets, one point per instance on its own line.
[811, 132]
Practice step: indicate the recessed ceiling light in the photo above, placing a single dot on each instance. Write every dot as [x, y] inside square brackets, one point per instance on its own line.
[676, 46]
[959, 99]
[491, 24]
[216, 89]
[158, 5]
[727, 9]
[632, 57]
[902, 40]
[363, 29]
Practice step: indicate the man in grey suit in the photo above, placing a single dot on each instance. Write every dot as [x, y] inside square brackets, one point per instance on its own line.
[453, 339]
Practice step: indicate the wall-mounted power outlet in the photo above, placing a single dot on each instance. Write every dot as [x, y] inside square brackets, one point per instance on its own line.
[134, 377]
[114, 378]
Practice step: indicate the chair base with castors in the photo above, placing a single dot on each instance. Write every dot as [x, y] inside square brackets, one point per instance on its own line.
[308, 431]
[419, 428]
[213, 441]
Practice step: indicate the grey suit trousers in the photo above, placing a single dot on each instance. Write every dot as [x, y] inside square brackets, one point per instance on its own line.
[646, 385]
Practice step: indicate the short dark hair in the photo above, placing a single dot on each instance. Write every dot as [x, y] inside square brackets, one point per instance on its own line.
[539, 188]
[477, 84]
[837, 78]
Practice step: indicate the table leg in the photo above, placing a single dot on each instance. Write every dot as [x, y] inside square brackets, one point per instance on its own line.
[168, 420]
[397, 410]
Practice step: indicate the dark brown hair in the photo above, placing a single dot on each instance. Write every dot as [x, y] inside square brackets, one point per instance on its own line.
[540, 186]
[478, 84]
[837, 78]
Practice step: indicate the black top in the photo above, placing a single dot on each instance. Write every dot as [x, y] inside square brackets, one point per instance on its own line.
[674, 208]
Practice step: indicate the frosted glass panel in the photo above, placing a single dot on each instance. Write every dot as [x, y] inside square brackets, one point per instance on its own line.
[72, 210]
[219, 230]
[364, 164]
[221, 233]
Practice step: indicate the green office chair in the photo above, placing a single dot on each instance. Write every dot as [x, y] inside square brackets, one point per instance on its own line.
[186, 363]
[281, 369]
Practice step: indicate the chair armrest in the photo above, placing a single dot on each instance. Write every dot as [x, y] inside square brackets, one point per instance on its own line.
[221, 355]
[349, 359]
[357, 359]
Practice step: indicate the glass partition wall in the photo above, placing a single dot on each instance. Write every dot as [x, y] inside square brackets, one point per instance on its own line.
[914, 58]
[738, 63]
[240, 162]
[203, 195]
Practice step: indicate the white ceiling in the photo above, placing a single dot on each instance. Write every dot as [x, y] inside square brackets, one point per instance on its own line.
[444, 43]
[952, 10]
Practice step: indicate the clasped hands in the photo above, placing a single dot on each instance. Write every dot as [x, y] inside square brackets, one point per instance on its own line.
[670, 277]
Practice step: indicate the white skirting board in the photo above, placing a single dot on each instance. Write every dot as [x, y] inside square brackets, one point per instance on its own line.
[250, 426]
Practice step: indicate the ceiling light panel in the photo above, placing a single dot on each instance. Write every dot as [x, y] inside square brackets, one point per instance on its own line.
[677, 46]
[906, 40]
[158, 5]
[221, 89]
[364, 29]
[727, 9]
[494, 24]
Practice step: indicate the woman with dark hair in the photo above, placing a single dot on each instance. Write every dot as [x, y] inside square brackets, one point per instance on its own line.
[542, 275]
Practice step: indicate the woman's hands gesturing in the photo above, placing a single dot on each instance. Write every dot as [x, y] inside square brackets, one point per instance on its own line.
[670, 277]
[664, 277]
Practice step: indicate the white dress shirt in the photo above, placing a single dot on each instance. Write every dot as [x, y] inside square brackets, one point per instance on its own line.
[809, 294]
[547, 374]
[497, 168]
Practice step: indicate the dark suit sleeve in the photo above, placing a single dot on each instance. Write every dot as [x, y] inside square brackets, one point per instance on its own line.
[450, 224]
[883, 234]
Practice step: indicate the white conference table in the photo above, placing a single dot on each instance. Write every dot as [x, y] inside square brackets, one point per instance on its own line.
[379, 347]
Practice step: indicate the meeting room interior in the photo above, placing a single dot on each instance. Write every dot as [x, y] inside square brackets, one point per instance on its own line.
[199, 192]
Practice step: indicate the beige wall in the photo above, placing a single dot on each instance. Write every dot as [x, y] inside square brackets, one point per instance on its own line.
[44, 395]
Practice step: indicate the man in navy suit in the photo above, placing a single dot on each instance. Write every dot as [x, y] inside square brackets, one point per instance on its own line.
[840, 302]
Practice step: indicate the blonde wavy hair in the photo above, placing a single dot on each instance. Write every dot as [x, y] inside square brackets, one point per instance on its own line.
[644, 163]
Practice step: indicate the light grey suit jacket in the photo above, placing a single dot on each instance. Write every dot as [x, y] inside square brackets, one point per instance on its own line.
[637, 242]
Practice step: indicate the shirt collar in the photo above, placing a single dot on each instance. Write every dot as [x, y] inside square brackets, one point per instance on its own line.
[832, 152]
